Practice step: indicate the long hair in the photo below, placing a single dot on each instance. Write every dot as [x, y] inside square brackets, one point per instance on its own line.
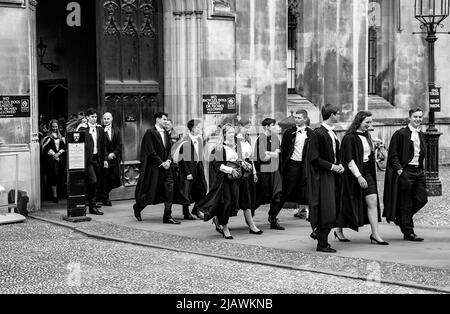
[50, 132]
[357, 121]
[222, 136]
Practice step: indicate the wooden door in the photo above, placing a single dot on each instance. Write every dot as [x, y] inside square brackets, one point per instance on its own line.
[130, 58]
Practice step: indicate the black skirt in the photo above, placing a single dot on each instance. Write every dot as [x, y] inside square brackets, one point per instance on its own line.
[372, 185]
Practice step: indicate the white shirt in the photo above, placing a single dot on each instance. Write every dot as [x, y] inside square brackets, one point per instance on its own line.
[366, 154]
[416, 140]
[93, 132]
[300, 139]
[162, 132]
[195, 140]
[108, 130]
[247, 150]
[231, 155]
[333, 136]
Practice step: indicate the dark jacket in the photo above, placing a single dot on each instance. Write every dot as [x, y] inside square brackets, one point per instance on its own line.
[113, 145]
[90, 145]
[401, 153]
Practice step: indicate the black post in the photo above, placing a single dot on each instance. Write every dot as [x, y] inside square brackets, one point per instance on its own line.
[434, 185]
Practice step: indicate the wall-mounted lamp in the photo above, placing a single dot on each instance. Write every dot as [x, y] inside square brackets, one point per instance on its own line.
[41, 50]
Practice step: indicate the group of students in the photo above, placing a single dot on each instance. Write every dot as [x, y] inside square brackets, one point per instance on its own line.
[337, 180]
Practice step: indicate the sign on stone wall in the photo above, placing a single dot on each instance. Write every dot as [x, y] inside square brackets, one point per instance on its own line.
[374, 14]
[12, 2]
[220, 9]
[435, 98]
[14, 106]
[219, 104]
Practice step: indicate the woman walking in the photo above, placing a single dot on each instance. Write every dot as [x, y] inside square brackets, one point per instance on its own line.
[360, 201]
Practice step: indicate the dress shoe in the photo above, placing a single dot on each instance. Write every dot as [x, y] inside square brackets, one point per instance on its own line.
[274, 225]
[412, 237]
[189, 217]
[340, 240]
[300, 215]
[313, 235]
[227, 238]
[171, 221]
[107, 203]
[372, 240]
[218, 229]
[327, 249]
[95, 211]
[256, 232]
[97, 206]
[137, 214]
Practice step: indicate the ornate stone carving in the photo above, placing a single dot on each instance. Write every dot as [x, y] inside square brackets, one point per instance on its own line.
[294, 8]
[110, 27]
[131, 173]
[148, 10]
[129, 9]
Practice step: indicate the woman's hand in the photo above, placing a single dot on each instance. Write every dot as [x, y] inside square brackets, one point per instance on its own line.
[362, 182]
[235, 174]
[255, 178]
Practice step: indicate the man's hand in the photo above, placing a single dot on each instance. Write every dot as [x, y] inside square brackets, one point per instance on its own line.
[105, 165]
[235, 174]
[255, 178]
[399, 172]
[362, 182]
[166, 165]
[338, 169]
[111, 156]
[190, 177]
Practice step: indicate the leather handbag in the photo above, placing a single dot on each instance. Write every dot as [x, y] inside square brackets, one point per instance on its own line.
[236, 166]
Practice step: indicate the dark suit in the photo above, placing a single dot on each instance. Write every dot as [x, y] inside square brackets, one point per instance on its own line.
[111, 175]
[404, 195]
[324, 198]
[94, 162]
[155, 184]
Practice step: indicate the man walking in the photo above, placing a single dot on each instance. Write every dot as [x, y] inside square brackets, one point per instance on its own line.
[405, 190]
[95, 156]
[155, 184]
[325, 180]
[113, 153]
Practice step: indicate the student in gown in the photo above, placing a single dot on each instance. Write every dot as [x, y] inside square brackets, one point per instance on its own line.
[405, 190]
[360, 202]
[223, 198]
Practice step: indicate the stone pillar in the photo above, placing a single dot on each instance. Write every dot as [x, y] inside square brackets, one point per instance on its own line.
[198, 62]
[176, 61]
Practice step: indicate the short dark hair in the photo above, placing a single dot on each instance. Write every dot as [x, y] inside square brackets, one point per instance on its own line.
[159, 115]
[328, 110]
[244, 122]
[91, 111]
[193, 123]
[268, 122]
[303, 112]
[414, 110]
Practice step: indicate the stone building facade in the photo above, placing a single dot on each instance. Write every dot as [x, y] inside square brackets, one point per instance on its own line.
[136, 57]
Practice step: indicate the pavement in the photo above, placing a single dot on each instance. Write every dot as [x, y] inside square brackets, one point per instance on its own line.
[416, 265]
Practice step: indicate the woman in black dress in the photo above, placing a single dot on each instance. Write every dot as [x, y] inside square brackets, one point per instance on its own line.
[223, 197]
[54, 152]
[360, 202]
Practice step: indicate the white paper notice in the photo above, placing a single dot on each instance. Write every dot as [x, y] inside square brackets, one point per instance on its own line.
[76, 156]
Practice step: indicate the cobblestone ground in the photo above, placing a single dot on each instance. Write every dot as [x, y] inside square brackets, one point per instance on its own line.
[437, 211]
[38, 258]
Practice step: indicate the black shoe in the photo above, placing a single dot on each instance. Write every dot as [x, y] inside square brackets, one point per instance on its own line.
[300, 215]
[274, 225]
[313, 235]
[171, 221]
[340, 240]
[189, 217]
[107, 203]
[95, 211]
[412, 237]
[227, 238]
[218, 229]
[256, 232]
[199, 215]
[97, 206]
[137, 214]
[372, 240]
[327, 249]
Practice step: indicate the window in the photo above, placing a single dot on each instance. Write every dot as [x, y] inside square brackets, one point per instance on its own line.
[372, 61]
[292, 53]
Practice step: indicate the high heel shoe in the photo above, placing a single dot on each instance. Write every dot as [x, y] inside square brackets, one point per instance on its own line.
[227, 238]
[340, 240]
[372, 240]
[256, 232]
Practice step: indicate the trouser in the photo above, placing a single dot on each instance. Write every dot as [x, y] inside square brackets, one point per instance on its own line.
[93, 179]
[275, 208]
[412, 198]
[105, 186]
[322, 237]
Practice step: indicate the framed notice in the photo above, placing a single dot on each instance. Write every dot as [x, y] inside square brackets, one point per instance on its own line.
[435, 98]
[219, 104]
[15, 107]
[76, 150]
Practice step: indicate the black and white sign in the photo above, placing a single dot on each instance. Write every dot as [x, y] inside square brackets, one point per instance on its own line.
[15, 106]
[435, 98]
[219, 104]
[76, 151]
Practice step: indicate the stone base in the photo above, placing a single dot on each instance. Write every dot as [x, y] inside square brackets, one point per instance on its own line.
[434, 188]
[77, 219]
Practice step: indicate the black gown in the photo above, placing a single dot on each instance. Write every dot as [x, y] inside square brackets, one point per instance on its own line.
[353, 212]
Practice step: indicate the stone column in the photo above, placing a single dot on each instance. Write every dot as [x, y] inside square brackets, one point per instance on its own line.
[199, 60]
[176, 99]
[189, 66]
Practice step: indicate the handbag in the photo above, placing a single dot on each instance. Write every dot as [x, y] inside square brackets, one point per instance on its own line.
[236, 166]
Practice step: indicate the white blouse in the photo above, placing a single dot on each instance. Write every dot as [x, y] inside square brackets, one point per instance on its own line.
[231, 155]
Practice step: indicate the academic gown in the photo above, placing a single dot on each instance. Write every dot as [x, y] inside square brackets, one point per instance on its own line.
[401, 153]
[213, 202]
[269, 184]
[354, 210]
[189, 163]
[323, 184]
[149, 189]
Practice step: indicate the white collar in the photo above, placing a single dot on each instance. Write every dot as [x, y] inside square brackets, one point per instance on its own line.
[303, 128]
[413, 129]
[92, 126]
[159, 129]
[329, 128]
[193, 138]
